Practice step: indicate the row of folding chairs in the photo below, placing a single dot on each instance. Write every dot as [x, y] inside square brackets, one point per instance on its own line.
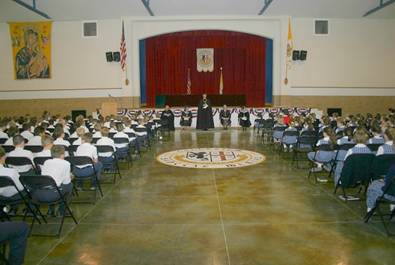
[358, 171]
[34, 182]
[28, 197]
[75, 161]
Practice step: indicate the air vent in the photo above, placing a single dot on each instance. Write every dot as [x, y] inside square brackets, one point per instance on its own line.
[321, 27]
[89, 29]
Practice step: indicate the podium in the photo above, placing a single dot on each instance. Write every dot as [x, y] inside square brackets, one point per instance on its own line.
[109, 108]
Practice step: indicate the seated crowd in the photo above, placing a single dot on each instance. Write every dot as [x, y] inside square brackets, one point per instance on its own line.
[53, 146]
[334, 141]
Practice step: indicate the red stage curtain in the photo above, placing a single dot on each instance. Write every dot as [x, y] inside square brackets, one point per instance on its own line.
[241, 55]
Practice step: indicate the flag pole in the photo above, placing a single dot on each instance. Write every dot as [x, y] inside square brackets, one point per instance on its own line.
[126, 75]
[189, 83]
[124, 65]
[289, 51]
[221, 82]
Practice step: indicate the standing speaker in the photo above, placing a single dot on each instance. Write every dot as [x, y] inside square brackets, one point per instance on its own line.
[303, 55]
[295, 55]
[109, 56]
[116, 56]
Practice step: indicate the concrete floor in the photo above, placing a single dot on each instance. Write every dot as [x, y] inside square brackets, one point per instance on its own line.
[263, 214]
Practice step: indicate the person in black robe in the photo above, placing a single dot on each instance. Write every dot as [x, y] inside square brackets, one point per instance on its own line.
[205, 114]
[167, 118]
[244, 118]
[186, 118]
[224, 117]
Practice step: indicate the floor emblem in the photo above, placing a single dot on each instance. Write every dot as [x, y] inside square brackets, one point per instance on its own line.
[210, 158]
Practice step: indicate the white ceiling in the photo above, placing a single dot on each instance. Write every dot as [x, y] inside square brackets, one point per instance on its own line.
[107, 9]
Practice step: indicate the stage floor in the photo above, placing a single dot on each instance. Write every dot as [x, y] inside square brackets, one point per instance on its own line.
[262, 214]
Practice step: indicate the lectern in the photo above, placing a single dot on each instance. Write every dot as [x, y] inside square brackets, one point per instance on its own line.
[109, 108]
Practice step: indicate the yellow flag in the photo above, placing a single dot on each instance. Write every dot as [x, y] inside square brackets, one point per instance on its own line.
[290, 47]
[290, 39]
[221, 83]
[31, 49]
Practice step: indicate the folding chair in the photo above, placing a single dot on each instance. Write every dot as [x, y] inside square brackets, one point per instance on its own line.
[381, 165]
[94, 140]
[16, 161]
[319, 157]
[8, 148]
[109, 167]
[146, 141]
[72, 139]
[258, 123]
[76, 161]
[111, 135]
[131, 134]
[18, 199]
[309, 133]
[374, 147]
[151, 130]
[33, 148]
[339, 134]
[267, 130]
[123, 153]
[304, 145]
[39, 162]
[388, 190]
[294, 139]
[340, 154]
[72, 149]
[163, 129]
[356, 172]
[277, 134]
[34, 184]
[3, 140]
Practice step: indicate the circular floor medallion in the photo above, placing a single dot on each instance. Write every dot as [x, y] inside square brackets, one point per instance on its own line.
[210, 158]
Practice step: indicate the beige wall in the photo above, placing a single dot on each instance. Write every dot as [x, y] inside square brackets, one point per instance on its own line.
[349, 104]
[63, 106]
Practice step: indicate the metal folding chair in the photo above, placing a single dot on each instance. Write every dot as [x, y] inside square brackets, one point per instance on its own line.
[35, 184]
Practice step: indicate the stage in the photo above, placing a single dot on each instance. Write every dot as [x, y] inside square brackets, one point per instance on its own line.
[191, 100]
[254, 113]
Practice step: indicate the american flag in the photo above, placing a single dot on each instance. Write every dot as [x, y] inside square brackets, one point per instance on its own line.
[189, 83]
[123, 49]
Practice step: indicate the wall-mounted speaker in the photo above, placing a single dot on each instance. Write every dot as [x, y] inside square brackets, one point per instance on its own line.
[116, 56]
[109, 57]
[295, 55]
[303, 55]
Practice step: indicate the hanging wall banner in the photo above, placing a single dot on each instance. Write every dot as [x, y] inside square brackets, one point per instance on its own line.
[31, 49]
[205, 60]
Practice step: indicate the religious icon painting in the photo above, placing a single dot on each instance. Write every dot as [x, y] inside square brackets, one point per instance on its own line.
[31, 49]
